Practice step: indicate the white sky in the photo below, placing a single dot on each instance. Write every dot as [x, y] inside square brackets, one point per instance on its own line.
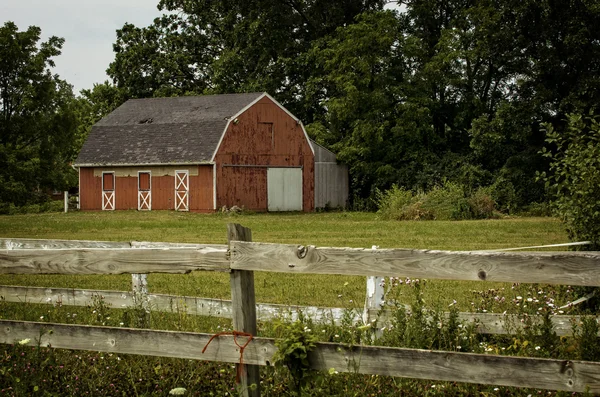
[88, 27]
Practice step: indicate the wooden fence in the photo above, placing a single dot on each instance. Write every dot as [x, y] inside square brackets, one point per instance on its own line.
[243, 257]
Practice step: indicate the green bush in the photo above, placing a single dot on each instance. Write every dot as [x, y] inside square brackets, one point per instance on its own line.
[504, 195]
[399, 204]
[48, 206]
[481, 204]
[575, 176]
[447, 202]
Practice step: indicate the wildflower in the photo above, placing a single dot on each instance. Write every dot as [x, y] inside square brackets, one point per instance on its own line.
[178, 391]
[332, 371]
[496, 389]
[519, 297]
[24, 341]
[537, 348]
[41, 317]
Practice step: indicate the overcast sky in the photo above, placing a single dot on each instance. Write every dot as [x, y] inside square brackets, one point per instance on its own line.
[88, 27]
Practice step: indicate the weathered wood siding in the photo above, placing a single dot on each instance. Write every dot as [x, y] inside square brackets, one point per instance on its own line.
[264, 135]
[163, 187]
[331, 179]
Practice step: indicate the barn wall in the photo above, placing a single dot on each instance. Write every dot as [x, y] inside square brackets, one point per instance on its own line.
[331, 185]
[264, 135]
[331, 179]
[162, 187]
[90, 190]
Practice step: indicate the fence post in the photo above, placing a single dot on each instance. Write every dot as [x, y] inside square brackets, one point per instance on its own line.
[375, 297]
[243, 304]
[66, 201]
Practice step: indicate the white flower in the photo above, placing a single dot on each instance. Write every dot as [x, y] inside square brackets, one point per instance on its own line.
[41, 317]
[178, 391]
[519, 297]
[24, 341]
[537, 348]
[496, 389]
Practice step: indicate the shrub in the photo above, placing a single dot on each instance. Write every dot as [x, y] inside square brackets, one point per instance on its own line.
[575, 176]
[504, 195]
[481, 204]
[447, 202]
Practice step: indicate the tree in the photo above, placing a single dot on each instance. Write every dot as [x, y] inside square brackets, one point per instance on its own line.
[229, 46]
[37, 122]
[92, 105]
[574, 178]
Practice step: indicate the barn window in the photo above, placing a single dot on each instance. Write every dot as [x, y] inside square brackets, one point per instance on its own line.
[144, 181]
[108, 181]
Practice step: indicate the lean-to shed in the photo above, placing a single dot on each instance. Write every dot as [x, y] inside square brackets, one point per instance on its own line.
[198, 154]
[331, 179]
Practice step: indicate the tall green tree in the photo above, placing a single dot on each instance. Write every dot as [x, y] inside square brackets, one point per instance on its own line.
[37, 122]
[229, 46]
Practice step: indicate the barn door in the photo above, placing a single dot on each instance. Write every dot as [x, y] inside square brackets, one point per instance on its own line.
[144, 191]
[284, 186]
[108, 191]
[182, 187]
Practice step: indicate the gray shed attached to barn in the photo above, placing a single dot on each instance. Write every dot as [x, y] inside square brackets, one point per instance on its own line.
[331, 179]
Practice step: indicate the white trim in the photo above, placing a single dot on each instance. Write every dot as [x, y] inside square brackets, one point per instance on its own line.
[214, 186]
[145, 196]
[98, 165]
[114, 180]
[178, 182]
[263, 95]
[79, 186]
[108, 196]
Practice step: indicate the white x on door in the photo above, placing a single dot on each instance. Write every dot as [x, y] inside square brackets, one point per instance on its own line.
[108, 191]
[182, 188]
[144, 191]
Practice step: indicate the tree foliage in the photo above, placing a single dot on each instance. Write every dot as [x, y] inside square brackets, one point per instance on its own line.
[38, 122]
[575, 176]
[433, 91]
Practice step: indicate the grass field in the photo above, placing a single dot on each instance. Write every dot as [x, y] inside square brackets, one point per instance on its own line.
[341, 229]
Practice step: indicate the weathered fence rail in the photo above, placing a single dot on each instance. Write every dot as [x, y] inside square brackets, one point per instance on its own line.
[414, 363]
[487, 323]
[245, 257]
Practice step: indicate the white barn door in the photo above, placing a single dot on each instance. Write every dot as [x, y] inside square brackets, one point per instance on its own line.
[108, 191]
[284, 187]
[144, 191]
[182, 188]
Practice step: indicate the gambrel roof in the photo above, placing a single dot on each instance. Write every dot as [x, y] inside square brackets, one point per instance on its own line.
[156, 131]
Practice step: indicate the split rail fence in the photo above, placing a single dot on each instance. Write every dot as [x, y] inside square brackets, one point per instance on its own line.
[242, 257]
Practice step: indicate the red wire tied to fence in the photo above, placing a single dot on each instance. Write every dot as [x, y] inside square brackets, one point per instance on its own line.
[242, 347]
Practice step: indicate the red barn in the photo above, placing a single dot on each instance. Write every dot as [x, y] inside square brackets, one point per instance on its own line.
[198, 154]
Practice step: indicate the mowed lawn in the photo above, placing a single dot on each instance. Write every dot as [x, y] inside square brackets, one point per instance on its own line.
[338, 229]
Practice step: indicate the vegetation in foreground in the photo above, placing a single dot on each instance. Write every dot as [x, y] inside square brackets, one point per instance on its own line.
[28, 369]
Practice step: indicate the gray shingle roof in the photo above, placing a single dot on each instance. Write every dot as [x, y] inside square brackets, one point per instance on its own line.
[176, 130]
